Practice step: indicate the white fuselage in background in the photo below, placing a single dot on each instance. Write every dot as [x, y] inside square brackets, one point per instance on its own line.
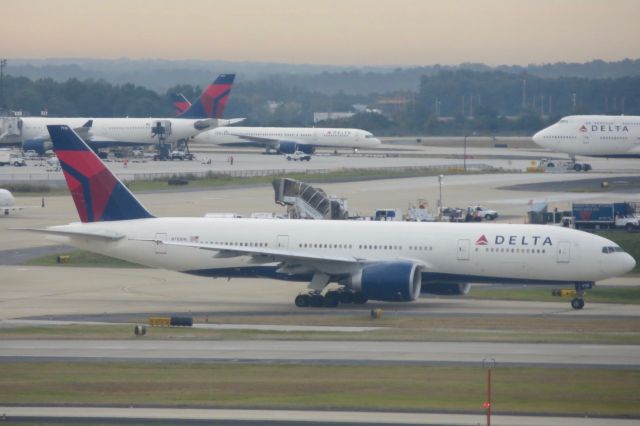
[272, 136]
[593, 135]
[109, 131]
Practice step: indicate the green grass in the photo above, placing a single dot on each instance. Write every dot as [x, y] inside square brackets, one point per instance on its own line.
[516, 390]
[627, 295]
[81, 258]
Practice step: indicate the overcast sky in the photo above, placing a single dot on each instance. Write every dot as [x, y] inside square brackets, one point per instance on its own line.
[343, 32]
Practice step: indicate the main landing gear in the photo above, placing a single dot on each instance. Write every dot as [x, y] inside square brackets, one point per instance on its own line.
[330, 300]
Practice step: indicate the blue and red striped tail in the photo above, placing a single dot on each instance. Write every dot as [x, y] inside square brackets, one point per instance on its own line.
[212, 100]
[98, 194]
[180, 102]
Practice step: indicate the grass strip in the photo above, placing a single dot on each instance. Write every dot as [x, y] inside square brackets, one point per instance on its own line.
[514, 329]
[627, 295]
[516, 390]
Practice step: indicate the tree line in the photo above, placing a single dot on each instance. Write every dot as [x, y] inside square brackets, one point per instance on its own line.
[457, 101]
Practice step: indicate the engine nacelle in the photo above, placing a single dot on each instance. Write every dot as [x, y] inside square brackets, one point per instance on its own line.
[388, 281]
[38, 145]
[445, 289]
[287, 147]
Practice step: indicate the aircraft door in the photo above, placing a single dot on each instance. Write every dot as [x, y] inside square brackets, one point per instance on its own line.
[564, 252]
[282, 242]
[463, 250]
[161, 248]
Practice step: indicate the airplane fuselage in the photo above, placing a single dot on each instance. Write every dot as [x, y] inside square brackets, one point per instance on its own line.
[445, 252]
[593, 135]
[272, 136]
[112, 131]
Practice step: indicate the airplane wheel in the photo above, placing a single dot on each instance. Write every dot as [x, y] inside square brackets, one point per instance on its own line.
[577, 303]
[316, 300]
[331, 299]
[577, 167]
[587, 167]
[302, 300]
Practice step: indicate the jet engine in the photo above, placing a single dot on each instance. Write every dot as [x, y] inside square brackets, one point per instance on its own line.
[445, 289]
[387, 281]
[39, 145]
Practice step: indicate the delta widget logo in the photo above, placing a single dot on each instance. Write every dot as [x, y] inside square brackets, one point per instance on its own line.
[482, 241]
[583, 128]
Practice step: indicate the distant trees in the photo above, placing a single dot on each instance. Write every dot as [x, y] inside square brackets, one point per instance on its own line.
[458, 101]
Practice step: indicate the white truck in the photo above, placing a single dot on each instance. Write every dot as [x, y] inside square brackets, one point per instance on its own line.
[10, 158]
[477, 213]
[563, 165]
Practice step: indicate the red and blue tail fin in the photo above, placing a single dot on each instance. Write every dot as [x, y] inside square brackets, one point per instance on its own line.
[97, 193]
[212, 100]
[180, 102]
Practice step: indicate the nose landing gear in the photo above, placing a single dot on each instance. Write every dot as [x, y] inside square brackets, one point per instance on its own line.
[578, 294]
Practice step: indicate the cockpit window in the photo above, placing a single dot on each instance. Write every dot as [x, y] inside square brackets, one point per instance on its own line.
[612, 249]
[563, 121]
[369, 136]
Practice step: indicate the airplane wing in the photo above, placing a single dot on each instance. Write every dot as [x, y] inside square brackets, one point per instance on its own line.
[291, 261]
[232, 251]
[261, 139]
[101, 234]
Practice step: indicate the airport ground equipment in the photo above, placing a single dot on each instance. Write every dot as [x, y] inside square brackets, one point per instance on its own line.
[11, 158]
[623, 215]
[304, 201]
[548, 165]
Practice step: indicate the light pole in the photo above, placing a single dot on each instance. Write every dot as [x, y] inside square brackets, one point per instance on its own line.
[489, 364]
[3, 65]
[464, 156]
[440, 179]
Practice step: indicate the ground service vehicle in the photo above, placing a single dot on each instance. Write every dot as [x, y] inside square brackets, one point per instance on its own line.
[606, 216]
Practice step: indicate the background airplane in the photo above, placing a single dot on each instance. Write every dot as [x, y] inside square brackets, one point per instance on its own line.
[284, 140]
[114, 132]
[593, 135]
[287, 140]
[387, 261]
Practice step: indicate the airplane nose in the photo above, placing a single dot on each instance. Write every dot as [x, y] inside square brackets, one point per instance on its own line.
[538, 138]
[628, 263]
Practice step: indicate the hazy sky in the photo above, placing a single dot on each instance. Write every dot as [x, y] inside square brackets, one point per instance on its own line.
[345, 32]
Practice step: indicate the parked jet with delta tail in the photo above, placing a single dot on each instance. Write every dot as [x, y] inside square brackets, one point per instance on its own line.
[113, 132]
[593, 136]
[387, 261]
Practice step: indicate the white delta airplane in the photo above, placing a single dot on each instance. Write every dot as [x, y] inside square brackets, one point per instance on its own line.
[112, 132]
[593, 136]
[386, 261]
[287, 140]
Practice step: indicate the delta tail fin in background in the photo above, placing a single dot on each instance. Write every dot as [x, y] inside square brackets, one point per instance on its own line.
[98, 194]
[213, 99]
[180, 102]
